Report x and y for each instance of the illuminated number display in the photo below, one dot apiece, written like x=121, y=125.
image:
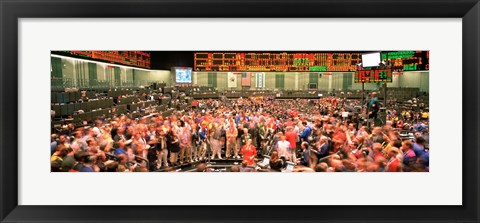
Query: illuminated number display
x=407, y=60
x=130, y=58
x=302, y=61
x=373, y=76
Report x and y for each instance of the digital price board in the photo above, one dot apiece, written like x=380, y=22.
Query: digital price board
x=408, y=60
x=130, y=58
x=301, y=61
x=276, y=61
x=373, y=76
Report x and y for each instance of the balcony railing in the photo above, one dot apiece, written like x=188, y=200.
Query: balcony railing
x=87, y=83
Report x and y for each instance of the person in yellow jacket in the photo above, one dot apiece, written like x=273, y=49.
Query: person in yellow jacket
x=424, y=115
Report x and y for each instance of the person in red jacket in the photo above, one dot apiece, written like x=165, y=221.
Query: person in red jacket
x=291, y=137
x=249, y=152
x=393, y=164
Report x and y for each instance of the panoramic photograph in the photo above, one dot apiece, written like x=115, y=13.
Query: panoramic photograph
x=239, y=111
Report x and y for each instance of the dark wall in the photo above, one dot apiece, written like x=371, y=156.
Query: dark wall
x=165, y=60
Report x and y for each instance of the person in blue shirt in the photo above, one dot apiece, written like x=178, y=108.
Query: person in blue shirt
x=425, y=159
x=420, y=127
x=88, y=164
x=419, y=146
x=120, y=149
x=422, y=153
x=203, y=134
x=53, y=144
x=237, y=118
x=307, y=131
x=305, y=155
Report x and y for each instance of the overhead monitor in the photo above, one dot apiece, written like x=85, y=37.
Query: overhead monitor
x=371, y=59
x=183, y=75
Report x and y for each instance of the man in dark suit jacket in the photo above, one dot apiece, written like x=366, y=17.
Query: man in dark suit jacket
x=323, y=147
x=373, y=106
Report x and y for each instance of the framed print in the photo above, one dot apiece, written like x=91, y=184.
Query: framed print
x=162, y=102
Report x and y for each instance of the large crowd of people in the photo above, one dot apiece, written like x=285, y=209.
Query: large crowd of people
x=329, y=134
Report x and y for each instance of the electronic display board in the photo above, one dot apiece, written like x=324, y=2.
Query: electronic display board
x=303, y=61
x=408, y=60
x=129, y=58
x=373, y=76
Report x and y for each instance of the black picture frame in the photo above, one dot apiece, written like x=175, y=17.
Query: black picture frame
x=11, y=11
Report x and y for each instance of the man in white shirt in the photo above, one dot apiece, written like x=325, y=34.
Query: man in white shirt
x=283, y=148
x=96, y=129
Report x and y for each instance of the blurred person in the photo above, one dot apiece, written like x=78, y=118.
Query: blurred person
x=55, y=166
x=93, y=147
x=60, y=152
x=88, y=164
x=161, y=149
x=305, y=160
x=216, y=147
x=234, y=168
x=283, y=147
x=173, y=145
x=322, y=147
x=79, y=158
x=419, y=146
x=393, y=165
x=409, y=157
x=381, y=164
x=185, y=145
x=203, y=135
x=306, y=132
x=334, y=162
x=249, y=152
x=349, y=165
x=69, y=160
x=77, y=143
x=123, y=165
x=99, y=165
x=139, y=145
x=111, y=166
x=277, y=160
x=239, y=135
x=245, y=137
x=355, y=149
x=96, y=129
x=196, y=143
x=262, y=136
x=321, y=167
x=119, y=136
x=62, y=139
x=424, y=159
x=377, y=135
x=232, y=134
x=351, y=129
x=378, y=151
x=120, y=148
x=246, y=168
x=89, y=135
x=291, y=137
x=201, y=167
x=373, y=106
